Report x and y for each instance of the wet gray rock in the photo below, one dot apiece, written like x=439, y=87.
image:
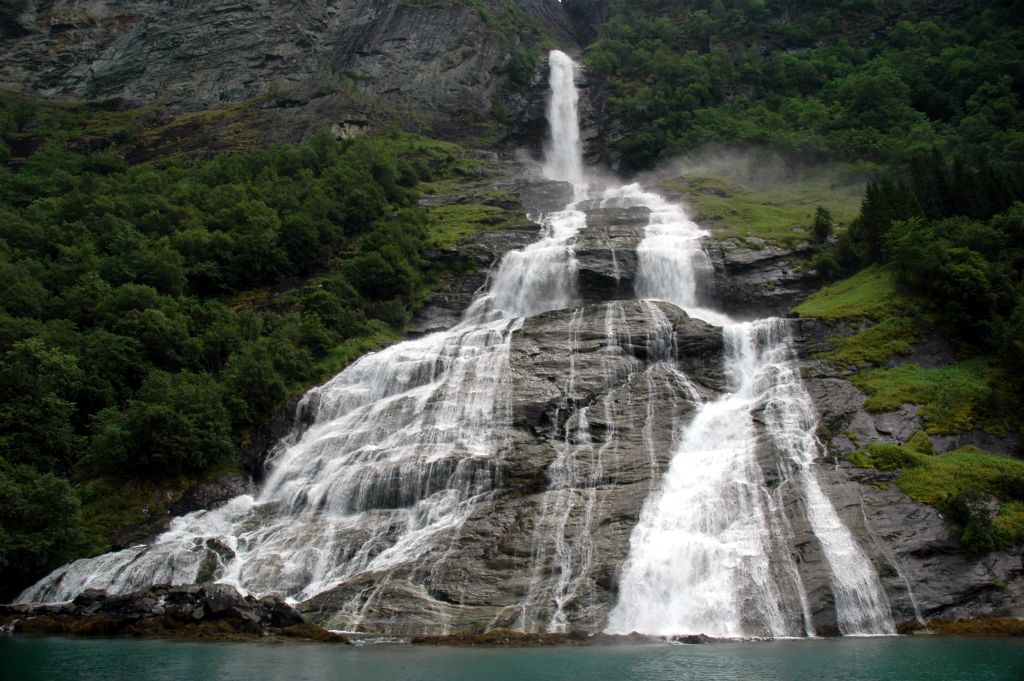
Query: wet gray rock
x=758, y=282
x=606, y=251
x=586, y=442
x=924, y=568
x=477, y=255
x=1008, y=444
x=934, y=351
x=156, y=610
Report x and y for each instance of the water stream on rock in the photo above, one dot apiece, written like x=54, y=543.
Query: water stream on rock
x=406, y=443
x=710, y=553
x=400, y=450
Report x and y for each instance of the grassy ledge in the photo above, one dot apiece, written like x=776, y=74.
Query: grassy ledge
x=758, y=210
x=982, y=492
x=870, y=294
x=952, y=398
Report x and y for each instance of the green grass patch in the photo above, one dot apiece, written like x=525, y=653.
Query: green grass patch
x=877, y=344
x=952, y=482
x=871, y=293
x=952, y=398
x=402, y=142
x=946, y=480
x=336, y=359
x=450, y=223
x=92, y=124
x=777, y=212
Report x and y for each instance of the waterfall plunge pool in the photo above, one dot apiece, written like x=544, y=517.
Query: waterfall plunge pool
x=846, y=659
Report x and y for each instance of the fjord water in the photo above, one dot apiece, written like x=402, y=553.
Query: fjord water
x=404, y=445
x=848, y=659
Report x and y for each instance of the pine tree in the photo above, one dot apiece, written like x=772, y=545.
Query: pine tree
x=822, y=226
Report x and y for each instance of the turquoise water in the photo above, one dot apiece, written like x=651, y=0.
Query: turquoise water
x=866, y=659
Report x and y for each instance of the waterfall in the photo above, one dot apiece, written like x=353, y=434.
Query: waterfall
x=711, y=553
x=564, y=152
x=406, y=444
x=401, y=450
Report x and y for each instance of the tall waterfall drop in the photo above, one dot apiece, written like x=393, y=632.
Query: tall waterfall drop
x=564, y=153
x=412, y=453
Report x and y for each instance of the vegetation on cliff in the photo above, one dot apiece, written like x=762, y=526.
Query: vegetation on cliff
x=982, y=492
x=151, y=316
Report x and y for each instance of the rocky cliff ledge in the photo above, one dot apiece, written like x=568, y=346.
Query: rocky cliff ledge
x=926, y=570
x=207, y=611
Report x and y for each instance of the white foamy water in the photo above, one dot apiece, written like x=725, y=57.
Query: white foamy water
x=564, y=157
x=711, y=553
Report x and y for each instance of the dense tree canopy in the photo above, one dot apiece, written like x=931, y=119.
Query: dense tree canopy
x=880, y=79
x=150, y=316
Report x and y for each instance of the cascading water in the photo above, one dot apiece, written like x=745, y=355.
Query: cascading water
x=564, y=159
x=711, y=551
x=407, y=443
x=401, y=448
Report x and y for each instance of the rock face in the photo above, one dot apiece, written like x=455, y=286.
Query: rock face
x=478, y=254
x=606, y=251
x=926, y=571
x=527, y=111
x=431, y=59
x=596, y=399
x=757, y=282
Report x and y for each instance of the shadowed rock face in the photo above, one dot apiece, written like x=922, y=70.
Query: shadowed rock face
x=433, y=58
x=597, y=397
x=757, y=282
x=606, y=251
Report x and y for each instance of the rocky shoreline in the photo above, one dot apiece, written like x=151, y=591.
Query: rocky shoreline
x=217, y=612
x=199, y=612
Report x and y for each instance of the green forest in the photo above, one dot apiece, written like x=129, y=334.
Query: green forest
x=885, y=80
x=152, y=316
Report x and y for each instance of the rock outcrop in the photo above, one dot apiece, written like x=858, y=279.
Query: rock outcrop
x=478, y=254
x=527, y=116
x=210, y=611
x=758, y=279
x=926, y=570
